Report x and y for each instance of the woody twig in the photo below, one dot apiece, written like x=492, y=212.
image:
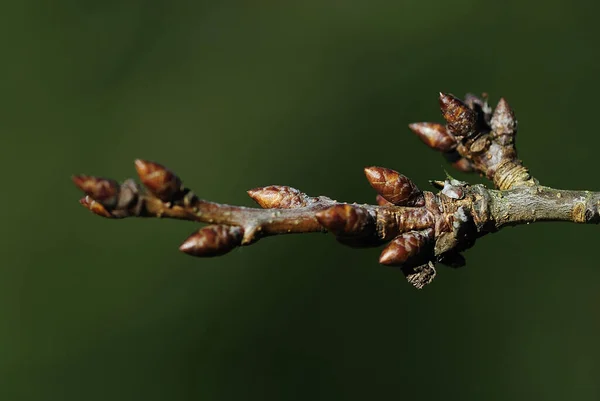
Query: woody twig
x=418, y=228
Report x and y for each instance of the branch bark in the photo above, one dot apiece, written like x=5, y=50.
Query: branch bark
x=421, y=228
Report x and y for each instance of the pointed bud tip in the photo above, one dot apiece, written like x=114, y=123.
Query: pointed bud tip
x=387, y=257
x=159, y=180
x=460, y=118
x=95, y=207
x=146, y=167
x=434, y=135
x=100, y=189
x=78, y=180
x=214, y=240
x=187, y=247
x=140, y=164
x=503, y=122
x=279, y=197
x=446, y=98
x=393, y=186
x=373, y=173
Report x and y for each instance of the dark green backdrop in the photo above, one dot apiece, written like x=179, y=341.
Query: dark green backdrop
x=238, y=94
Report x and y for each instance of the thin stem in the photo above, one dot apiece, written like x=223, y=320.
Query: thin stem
x=530, y=204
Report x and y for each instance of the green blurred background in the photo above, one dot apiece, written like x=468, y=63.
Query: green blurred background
x=238, y=94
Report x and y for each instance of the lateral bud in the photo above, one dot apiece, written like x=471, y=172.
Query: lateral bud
x=103, y=190
x=406, y=248
x=346, y=220
x=461, y=118
x=212, y=240
x=504, y=123
x=95, y=207
x=394, y=187
x=279, y=196
x=463, y=165
x=434, y=135
x=160, y=181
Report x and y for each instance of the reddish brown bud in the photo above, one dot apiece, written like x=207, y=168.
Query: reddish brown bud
x=460, y=118
x=95, y=207
x=346, y=220
x=278, y=196
x=434, y=135
x=504, y=123
x=405, y=248
x=101, y=190
x=212, y=241
x=159, y=180
x=394, y=187
x=382, y=202
x=463, y=165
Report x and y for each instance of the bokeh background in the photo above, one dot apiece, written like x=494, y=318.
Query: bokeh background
x=238, y=94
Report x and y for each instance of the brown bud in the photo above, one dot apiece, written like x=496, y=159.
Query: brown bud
x=434, y=135
x=95, y=207
x=159, y=180
x=463, y=165
x=346, y=220
x=101, y=190
x=479, y=145
x=406, y=248
x=394, y=187
x=278, y=196
x=504, y=123
x=382, y=202
x=420, y=276
x=460, y=118
x=212, y=241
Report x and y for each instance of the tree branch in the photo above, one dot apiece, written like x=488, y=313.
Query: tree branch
x=421, y=228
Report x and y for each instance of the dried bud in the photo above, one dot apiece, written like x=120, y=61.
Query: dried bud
x=420, y=276
x=394, y=187
x=504, y=123
x=453, y=191
x=346, y=220
x=406, y=248
x=382, y=202
x=212, y=240
x=463, y=165
x=101, y=190
x=278, y=196
x=460, y=118
x=159, y=180
x=95, y=207
x=434, y=135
